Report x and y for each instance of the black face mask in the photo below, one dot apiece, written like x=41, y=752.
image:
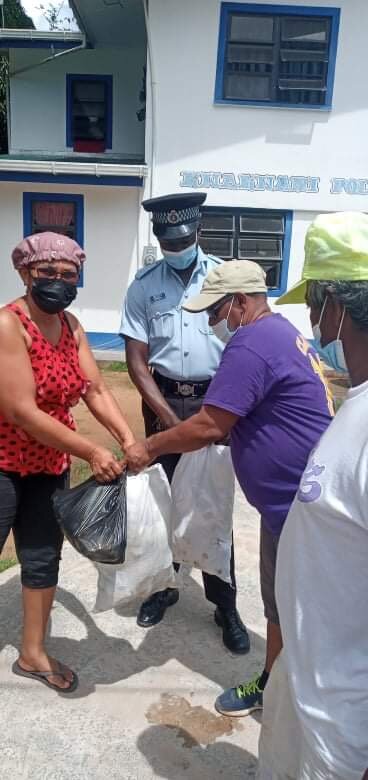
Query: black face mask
x=52, y=296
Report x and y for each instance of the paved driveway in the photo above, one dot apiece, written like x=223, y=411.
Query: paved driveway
x=144, y=708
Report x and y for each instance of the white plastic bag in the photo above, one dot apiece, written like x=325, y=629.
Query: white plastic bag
x=148, y=560
x=202, y=492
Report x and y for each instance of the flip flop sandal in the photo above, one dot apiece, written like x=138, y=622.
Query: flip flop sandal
x=43, y=677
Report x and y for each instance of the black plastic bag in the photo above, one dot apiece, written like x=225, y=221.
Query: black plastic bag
x=93, y=517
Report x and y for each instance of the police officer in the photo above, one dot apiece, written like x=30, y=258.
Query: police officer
x=171, y=359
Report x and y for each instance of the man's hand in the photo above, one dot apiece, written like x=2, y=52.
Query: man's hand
x=168, y=421
x=205, y=427
x=137, y=457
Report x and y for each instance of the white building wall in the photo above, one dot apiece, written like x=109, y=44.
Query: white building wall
x=298, y=315
x=38, y=97
x=195, y=136
x=110, y=228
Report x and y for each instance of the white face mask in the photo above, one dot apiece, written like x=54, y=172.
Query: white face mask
x=222, y=330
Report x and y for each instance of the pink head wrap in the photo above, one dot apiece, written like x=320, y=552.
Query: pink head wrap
x=47, y=246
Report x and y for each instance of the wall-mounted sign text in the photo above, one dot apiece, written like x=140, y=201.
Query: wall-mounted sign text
x=269, y=182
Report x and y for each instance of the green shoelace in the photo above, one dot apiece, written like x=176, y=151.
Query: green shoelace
x=248, y=689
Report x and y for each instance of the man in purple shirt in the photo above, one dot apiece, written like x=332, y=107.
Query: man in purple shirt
x=269, y=393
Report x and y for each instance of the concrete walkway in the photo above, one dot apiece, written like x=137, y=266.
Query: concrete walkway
x=144, y=708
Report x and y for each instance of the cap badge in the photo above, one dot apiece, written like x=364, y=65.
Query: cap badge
x=173, y=217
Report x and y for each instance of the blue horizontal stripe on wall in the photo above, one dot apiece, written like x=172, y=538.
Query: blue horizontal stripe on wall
x=106, y=181
x=105, y=341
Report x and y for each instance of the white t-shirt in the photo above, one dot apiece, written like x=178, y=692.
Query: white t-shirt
x=322, y=592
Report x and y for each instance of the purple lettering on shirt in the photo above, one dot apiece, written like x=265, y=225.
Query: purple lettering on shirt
x=310, y=489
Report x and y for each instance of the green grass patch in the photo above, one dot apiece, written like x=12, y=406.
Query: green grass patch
x=80, y=471
x=117, y=366
x=6, y=563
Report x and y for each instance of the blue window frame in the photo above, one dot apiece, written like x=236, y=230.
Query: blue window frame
x=259, y=235
x=37, y=217
x=277, y=55
x=89, y=111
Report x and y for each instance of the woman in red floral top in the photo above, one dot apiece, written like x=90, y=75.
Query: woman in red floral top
x=46, y=366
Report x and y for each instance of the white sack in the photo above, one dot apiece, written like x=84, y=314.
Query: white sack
x=148, y=561
x=202, y=494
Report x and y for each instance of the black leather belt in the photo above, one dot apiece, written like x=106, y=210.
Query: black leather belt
x=180, y=387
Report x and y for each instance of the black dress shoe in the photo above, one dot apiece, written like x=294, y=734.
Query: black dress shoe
x=153, y=610
x=234, y=634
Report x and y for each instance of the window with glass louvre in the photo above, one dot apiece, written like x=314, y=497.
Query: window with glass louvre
x=261, y=236
x=277, y=55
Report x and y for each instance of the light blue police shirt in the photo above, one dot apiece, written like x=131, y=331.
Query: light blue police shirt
x=181, y=345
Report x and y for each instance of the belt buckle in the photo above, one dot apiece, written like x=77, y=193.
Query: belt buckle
x=185, y=389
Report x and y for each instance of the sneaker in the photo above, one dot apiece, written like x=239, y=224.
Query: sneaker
x=240, y=701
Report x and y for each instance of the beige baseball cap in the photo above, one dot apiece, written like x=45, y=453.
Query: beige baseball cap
x=232, y=276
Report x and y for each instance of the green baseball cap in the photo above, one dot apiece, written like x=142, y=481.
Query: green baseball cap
x=233, y=276
x=336, y=247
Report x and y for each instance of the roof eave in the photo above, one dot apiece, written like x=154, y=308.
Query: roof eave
x=81, y=21
x=40, y=39
x=78, y=168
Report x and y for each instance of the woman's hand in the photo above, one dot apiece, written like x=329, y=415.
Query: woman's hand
x=137, y=457
x=127, y=442
x=105, y=465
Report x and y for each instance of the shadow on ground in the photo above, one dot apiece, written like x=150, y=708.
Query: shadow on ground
x=187, y=634
x=172, y=754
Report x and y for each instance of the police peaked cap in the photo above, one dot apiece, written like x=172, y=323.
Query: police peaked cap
x=175, y=216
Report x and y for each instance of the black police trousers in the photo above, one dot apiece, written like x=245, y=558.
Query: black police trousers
x=217, y=591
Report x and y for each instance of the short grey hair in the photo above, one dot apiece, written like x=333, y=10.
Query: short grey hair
x=352, y=295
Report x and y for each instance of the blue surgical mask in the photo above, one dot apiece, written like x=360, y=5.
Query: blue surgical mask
x=179, y=261
x=333, y=353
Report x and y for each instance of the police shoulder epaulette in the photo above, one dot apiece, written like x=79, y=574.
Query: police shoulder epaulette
x=217, y=260
x=147, y=269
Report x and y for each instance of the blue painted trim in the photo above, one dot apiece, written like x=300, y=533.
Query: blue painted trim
x=332, y=55
x=30, y=197
x=70, y=79
x=105, y=341
x=285, y=256
x=12, y=43
x=281, y=10
x=69, y=111
x=288, y=216
x=71, y=178
x=286, y=10
x=269, y=104
x=221, y=53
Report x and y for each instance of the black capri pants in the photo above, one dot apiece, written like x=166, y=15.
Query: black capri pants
x=26, y=509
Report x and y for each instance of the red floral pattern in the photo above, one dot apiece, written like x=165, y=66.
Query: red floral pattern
x=60, y=384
